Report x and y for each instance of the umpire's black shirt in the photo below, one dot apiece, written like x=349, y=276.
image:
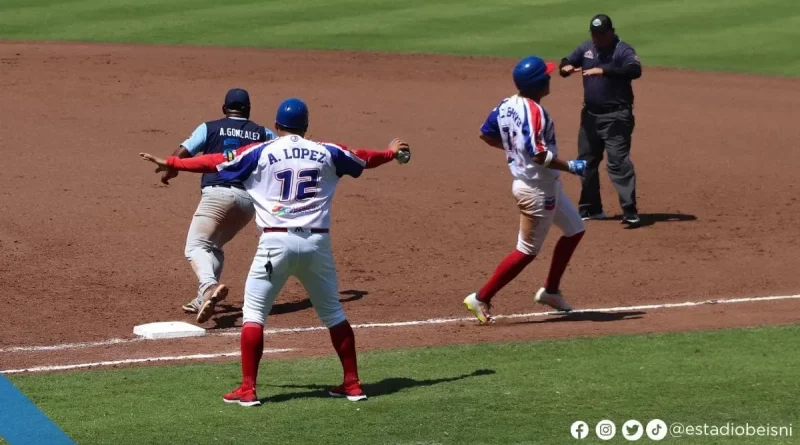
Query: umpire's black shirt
x=620, y=66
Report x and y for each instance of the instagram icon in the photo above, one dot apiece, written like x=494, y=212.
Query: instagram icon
x=605, y=429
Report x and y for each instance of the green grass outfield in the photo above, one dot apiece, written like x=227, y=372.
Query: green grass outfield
x=514, y=393
x=725, y=35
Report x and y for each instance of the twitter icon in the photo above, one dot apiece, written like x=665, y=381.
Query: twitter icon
x=632, y=430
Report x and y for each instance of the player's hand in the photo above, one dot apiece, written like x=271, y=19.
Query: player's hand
x=169, y=174
x=161, y=164
x=593, y=72
x=397, y=145
x=577, y=167
x=401, y=150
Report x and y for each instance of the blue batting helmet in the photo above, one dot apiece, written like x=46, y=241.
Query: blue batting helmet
x=532, y=74
x=292, y=113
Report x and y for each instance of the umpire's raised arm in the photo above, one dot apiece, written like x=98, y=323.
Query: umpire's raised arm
x=572, y=63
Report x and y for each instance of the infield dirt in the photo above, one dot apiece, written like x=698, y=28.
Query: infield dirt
x=92, y=243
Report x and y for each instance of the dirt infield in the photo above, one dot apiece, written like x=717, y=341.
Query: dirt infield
x=92, y=244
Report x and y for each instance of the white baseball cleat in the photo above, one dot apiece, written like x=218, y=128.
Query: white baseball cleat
x=555, y=301
x=482, y=311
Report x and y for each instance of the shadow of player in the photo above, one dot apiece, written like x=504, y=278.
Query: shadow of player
x=590, y=316
x=384, y=387
x=648, y=219
x=229, y=316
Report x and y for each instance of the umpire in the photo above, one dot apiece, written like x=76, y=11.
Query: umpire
x=608, y=65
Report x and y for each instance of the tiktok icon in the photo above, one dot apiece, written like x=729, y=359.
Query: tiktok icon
x=656, y=429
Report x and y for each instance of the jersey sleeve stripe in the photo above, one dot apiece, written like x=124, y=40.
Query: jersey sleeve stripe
x=526, y=129
x=347, y=153
x=536, y=116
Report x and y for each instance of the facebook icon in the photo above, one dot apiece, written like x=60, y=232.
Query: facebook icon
x=579, y=430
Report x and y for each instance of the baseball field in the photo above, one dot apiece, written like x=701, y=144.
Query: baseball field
x=693, y=318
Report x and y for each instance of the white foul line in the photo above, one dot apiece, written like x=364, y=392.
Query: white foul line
x=133, y=360
x=431, y=321
x=63, y=346
x=435, y=321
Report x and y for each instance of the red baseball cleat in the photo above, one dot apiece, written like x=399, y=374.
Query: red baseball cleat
x=352, y=391
x=243, y=396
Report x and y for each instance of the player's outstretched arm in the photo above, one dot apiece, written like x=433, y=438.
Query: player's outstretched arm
x=161, y=163
x=549, y=159
x=199, y=164
x=398, y=150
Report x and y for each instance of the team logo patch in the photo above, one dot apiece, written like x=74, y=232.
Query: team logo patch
x=279, y=210
x=282, y=210
x=596, y=22
x=294, y=138
x=550, y=203
x=588, y=55
x=229, y=154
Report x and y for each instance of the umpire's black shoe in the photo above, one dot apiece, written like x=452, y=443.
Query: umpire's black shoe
x=586, y=214
x=632, y=220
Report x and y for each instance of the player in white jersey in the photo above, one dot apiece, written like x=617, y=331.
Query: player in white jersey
x=521, y=127
x=292, y=181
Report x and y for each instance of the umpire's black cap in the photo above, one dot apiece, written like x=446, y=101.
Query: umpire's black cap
x=601, y=23
x=237, y=99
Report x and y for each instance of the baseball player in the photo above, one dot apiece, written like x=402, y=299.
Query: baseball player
x=292, y=182
x=522, y=127
x=225, y=208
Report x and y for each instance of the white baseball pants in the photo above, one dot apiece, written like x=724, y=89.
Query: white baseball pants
x=542, y=204
x=301, y=254
x=220, y=215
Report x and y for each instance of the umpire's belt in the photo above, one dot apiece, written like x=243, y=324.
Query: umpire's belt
x=294, y=229
x=606, y=110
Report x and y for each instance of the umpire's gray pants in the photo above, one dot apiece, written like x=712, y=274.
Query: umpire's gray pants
x=220, y=215
x=609, y=133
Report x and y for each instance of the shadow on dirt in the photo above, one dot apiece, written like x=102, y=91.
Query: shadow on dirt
x=229, y=316
x=589, y=316
x=649, y=219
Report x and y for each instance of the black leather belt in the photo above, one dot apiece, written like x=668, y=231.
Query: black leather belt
x=228, y=186
x=295, y=229
x=606, y=110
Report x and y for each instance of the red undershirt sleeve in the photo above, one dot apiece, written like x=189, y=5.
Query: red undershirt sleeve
x=202, y=164
x=374, y=158
x=198, y=164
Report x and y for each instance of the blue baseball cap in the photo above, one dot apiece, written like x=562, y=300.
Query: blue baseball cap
x=237, y=98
